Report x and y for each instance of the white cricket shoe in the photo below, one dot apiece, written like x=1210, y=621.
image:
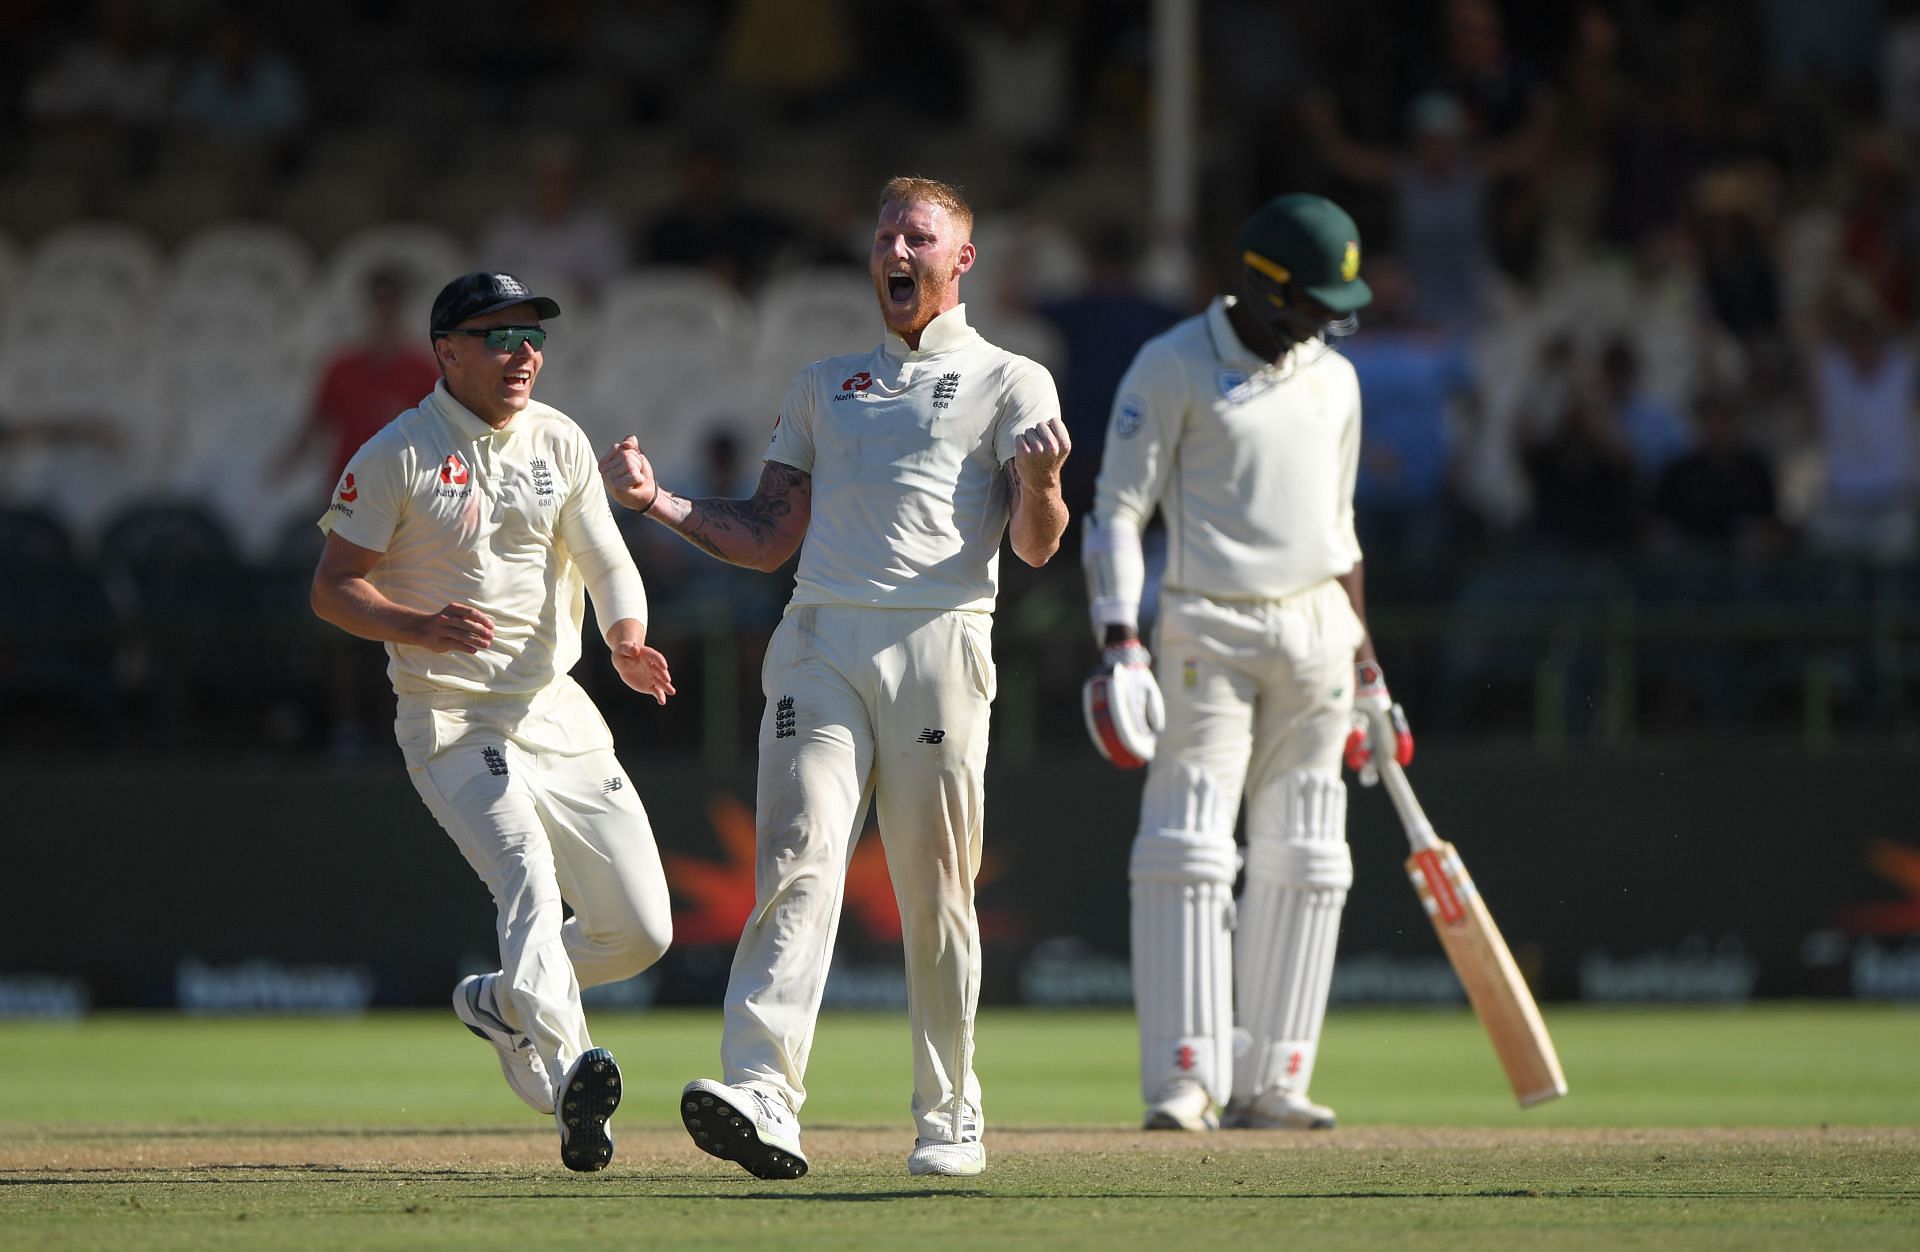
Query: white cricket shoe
x=951, y=1160
x=585, y=1101
x=478, y=1011
x=1277, y=1110
x=964, y=1157
x=745, y=1125
x=1183, y=1105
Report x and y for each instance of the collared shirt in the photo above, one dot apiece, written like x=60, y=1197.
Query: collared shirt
x=1251, y=463
x=906, y=448
x=512, y=521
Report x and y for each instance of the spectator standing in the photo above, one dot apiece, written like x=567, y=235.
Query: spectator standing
x=1863, y=383
x=366, y=382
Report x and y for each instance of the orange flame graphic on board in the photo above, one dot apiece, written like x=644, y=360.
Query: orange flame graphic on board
x=1899, y=865
x=720, y=893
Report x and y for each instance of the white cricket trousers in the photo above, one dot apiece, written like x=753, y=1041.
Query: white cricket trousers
x=887, y=705
x=541, y=827
x=1254, y=689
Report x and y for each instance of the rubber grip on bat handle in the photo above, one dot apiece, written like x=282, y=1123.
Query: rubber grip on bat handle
x=1412, y=816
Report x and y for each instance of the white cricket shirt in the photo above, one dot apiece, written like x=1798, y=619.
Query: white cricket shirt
x=513, y=522
x=906, y=448
x=1252, y=463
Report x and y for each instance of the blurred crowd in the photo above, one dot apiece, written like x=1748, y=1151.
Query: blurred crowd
x=1643, y=348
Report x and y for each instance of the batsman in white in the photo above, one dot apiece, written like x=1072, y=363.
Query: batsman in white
x=1242, y=426
x=900, y=468
x=462, y=536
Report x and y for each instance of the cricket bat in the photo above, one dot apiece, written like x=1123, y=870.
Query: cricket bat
x=1479, y=955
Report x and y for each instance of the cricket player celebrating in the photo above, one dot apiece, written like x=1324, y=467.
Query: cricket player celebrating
x=462, y=536
x=1243, y=427
x=900, y=468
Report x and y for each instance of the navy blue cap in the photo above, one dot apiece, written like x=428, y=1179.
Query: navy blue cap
x=471, y=295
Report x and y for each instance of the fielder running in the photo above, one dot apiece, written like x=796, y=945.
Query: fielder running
x=901, y=468
x=1242, y=426
x=462, y=536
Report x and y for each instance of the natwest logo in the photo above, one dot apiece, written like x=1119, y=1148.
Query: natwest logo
x=453, y=470
x=348, y=491
x=859, y=382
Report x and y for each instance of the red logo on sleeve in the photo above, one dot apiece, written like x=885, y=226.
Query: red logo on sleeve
x=453, y=470
x=348, y=491
x=859, y=382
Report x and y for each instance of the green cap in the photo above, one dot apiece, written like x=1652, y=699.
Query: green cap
x=1309, y=241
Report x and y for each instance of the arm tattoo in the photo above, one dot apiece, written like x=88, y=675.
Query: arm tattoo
x=738, y=531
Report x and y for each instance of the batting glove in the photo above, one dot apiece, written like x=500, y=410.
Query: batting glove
x=1122, y=705
x=1380, y=729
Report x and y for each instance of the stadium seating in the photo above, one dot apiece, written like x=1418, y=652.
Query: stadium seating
x=188, y=607
x=337, y=306
x=670, y=346
x=225, y=387
x=246, y=256
x=109, y=260
x=801, y=317
x=58, y=625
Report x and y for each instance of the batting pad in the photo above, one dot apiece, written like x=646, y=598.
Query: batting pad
x=1182, y=945
x=1298, y=872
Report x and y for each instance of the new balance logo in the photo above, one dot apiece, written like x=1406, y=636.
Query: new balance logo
x=612, y=785
x=783, y=718
x=496, y=761
x=930, y=735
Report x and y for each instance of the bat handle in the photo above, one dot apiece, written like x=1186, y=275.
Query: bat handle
x=1412, y=816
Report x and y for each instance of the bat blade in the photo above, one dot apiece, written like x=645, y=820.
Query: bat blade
x=1486, y=969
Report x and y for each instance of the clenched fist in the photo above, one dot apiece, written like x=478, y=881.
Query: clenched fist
x=629, y=476
x=1039, y=452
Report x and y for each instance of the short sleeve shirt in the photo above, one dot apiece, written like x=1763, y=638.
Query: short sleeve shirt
x=467, y=513
x=906, y=448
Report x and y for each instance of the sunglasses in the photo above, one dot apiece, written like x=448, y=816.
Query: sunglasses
x=507, y=338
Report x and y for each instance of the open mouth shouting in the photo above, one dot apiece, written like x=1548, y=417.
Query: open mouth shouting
x=901, y=289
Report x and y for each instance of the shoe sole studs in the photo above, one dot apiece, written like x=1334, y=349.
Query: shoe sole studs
x=719, y=1129
x=590, y=1101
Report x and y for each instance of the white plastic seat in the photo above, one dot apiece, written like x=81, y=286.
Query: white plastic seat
x=809, y=314
x=75, y=357
x=256, y=256
x=105, y=259
x=226, y=391
x=429, y=256
x=667, y=352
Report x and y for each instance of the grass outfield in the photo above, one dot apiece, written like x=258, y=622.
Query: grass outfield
x=1775, y=1127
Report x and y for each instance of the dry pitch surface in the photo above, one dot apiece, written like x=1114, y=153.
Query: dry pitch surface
x=652, y=1151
